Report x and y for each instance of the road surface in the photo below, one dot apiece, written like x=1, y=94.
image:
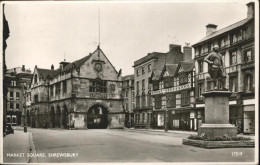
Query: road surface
x=110, y=145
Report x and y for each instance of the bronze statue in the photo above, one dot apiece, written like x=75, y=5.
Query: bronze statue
x=215, y=66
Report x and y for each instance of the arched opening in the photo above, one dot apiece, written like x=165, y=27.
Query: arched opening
x=97, y=117
x=52, y=115
x=58, y=117
x=65, y=118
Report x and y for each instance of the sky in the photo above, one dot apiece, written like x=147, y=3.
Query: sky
x=44, y=33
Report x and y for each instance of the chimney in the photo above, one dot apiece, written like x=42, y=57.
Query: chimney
x=23, y=68
x=187, y=52
x=211, y=28
x=174, y=47
x=52, y=67
x=250, y=10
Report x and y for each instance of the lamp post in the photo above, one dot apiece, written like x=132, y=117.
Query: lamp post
x=166, y=117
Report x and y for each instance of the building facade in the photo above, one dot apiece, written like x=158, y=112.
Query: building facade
x=236, y=43
x=128, y=93
x=83, y=94
x=173, y=97
x=19, y=79
x=143, y=69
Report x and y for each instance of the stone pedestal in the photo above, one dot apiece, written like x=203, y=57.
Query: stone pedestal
x=217, y=115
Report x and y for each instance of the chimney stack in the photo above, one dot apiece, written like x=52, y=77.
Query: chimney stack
x=250, y=10
x=187, y=52
x=23, y=68
x=174, y=47
x=211, y=28
x=52, y=67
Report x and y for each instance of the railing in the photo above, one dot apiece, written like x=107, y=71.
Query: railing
x=232, y=69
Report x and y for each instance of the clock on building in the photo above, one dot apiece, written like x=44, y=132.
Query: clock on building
x=98, y=67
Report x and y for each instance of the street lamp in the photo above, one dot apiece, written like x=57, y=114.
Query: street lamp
x=166, y=117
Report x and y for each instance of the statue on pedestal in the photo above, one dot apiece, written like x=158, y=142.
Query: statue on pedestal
x=216, y=69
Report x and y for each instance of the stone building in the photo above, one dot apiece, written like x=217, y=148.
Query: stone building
x=143, y=70
x=236, y=43
x=19, y=79
x=128, y=94
x=83, y=94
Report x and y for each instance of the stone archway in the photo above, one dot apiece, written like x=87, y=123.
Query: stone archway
x=52, y=115
x=58, y=117
x=65, y=118
x=97, y=117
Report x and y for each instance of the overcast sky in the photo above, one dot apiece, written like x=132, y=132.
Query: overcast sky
x=41, y=33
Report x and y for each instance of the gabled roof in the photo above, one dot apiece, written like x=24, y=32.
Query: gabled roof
x=171, y=69
x=76, y=63
x=186, y=66
x=224, y=30
x=128, y=77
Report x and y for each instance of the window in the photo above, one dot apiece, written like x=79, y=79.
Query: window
x=11, y=106
x=158, y=102
x=248, y=56
x=233, y=59
x=200, y=89
x=137, y=87
x=51, y=90
x=183, y=78
x=176, y=123
x=171, y=100
x=234, y=39
x=164, y=100
x=17, y=95
x=168, y=82
x=143, y=100
x=126, y=106
x=100, y=86
x=143, y=71
x=210, y=85
x=11, y=95
x=64, y=86
x=160, y=118
x=137, y=72
x=200, y=66
x=126, y=93
x=222, y=44
x=149, y=99
x=17, y=106
x=14, y=119
x=13, y=83
x=233, y=84
x=161, y=85
x=155, y=85
x=138, y=101
x=248, y=83
x=185, y=98
x=149, y=68
x=36, y=99
x=57, y=89
x=143, y=84
x=35, y=78
x=112, y=88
